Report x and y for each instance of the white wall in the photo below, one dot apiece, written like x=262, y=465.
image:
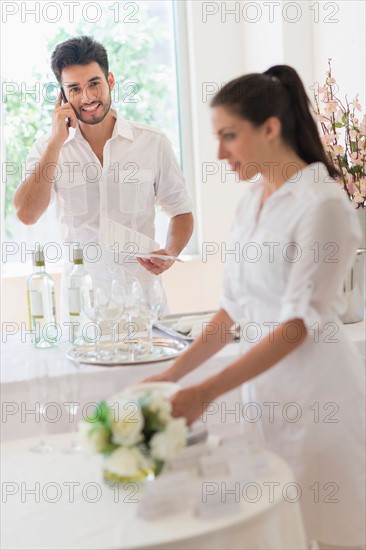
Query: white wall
x=215, y=57
x=345, y=43
x=252, y=39
x=222, y=48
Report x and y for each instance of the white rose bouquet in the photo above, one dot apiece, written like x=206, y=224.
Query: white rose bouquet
x=136, y=435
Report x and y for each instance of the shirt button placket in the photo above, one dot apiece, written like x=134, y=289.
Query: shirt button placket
x=103, y=191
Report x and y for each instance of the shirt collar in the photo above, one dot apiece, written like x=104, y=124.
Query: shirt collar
x=312, y=171
x=122, y=128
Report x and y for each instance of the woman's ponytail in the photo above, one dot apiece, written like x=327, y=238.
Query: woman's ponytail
x=278, y=92
x=306, y=136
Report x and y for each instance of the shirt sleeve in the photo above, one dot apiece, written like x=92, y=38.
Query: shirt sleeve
x=327, y=238
x=34, y=155
x=170, y=188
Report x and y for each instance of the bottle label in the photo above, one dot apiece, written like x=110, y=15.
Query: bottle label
x=74, y=302
x=36, y=304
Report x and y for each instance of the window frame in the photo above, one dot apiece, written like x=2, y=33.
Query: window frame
x=187, y=157
x=185, y=105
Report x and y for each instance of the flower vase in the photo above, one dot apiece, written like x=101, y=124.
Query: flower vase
x=361, y=213
x=354, y=289
x=140, y=477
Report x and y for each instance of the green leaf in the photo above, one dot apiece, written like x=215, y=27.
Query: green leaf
x=109, y=448
x=159, y=465
x=101, y=415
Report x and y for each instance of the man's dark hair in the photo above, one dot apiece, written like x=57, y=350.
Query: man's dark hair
x=78, y=51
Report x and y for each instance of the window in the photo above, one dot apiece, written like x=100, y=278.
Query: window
x=141, y=41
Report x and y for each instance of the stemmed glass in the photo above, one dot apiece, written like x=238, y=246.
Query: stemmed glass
x=104, y=303
x=39, y=391
x=133, y=292
x=150, y=304
x=91, y=305
x=69, y=390
x=112, y=303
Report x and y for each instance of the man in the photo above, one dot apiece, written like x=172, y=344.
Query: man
x=105, y=173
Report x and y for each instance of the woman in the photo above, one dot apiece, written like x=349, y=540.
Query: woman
x=298, y=234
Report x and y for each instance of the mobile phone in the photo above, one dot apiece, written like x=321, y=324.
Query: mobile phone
x=65, y=101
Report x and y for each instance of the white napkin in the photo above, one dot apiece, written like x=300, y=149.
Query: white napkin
x=192, y=325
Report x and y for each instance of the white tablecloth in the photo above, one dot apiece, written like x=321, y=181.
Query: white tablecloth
x=102, y=525
x=268, y=522
x=18, y=392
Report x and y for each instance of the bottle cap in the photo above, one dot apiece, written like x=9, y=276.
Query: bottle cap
x=78, y=255
x=38, y=256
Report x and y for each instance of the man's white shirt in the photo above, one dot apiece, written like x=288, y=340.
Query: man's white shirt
x=139, y=171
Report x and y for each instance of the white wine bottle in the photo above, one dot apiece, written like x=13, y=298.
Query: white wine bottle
x=78, y=278
x=41, y=304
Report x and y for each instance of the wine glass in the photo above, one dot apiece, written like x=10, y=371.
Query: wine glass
x=150, y=304
x=90, y=301
x=133, y=293
x=69, y=391
x=94, y=304
x=39, y=392
x=112, y=302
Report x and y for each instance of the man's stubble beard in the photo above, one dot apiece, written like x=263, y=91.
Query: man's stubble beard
x=106, y=110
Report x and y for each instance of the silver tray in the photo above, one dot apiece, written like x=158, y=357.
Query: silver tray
x=101, y=354
x=165, y=323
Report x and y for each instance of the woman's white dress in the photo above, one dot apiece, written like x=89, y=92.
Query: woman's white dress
x=290, y=262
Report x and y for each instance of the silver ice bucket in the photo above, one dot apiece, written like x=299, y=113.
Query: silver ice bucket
x=354, y=289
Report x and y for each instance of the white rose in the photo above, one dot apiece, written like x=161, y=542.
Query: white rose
x=127, y=462
x=95, y=441
x=127, y=422
x=166, y=444
x=161, y=406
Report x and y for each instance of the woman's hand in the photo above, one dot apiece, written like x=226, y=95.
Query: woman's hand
x=190, y=402
x=165, y=376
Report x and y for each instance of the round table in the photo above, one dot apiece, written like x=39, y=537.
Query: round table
x=60, y=501
x=99, y=525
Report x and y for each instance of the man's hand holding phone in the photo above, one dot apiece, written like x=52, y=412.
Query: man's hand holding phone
x=60, y=129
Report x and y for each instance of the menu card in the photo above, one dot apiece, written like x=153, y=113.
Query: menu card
x=171, y=493
x=189, y=458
